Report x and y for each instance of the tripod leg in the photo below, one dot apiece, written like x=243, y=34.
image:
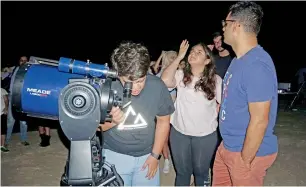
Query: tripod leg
x=64, y=179
x=293, y=101
x=296, y=96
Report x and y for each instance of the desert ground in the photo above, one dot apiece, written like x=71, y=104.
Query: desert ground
x=36, y=166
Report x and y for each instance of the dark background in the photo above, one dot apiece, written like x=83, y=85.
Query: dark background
x=91, y=30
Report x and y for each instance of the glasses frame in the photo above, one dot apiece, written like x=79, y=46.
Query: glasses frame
x=224, y=22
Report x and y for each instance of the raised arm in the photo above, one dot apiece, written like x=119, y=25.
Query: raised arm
x=157, y=63
x=168, y=76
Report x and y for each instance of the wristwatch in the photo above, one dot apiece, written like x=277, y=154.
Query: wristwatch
x=155, y=155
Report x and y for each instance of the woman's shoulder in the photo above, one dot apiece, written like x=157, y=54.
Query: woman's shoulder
x=218, y=79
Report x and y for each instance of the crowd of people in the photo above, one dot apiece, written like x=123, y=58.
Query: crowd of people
x=199, y=107
x=190, y=93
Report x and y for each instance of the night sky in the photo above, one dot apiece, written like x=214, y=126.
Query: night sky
x=91, y=30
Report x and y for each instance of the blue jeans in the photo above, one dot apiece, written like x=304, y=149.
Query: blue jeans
x=10, y=126
x=129, y=168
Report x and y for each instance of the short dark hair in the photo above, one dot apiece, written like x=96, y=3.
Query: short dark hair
x=216, y=34
x=131, y=60
x=249, y=14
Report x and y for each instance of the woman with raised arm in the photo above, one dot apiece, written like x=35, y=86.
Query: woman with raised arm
x=193, y=136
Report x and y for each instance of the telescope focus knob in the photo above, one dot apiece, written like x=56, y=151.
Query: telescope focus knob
x=79, y=101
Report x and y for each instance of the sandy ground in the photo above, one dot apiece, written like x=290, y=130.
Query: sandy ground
x=38, y=166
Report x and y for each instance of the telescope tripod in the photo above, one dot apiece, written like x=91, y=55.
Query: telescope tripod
x=104, y=173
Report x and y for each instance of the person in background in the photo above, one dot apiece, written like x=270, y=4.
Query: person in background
x=44, y=132
x=10, y=119
x=223, y=57
x=301, y=74
x=182, y=65
x=165, y=59
x=151, y=68
x=4, y=111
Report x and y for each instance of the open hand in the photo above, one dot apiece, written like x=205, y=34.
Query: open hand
x=183, y=49
x=152, y=164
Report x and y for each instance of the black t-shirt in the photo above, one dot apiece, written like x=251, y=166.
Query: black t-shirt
x=135, y=136
x=222, y=64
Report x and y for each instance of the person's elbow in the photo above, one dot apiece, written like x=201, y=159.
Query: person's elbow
x=170, y=83
x=163, y=121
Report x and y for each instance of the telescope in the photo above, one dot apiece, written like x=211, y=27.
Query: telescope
x=79, y=95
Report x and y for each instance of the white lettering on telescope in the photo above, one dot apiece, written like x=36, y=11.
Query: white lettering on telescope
x=38, y=92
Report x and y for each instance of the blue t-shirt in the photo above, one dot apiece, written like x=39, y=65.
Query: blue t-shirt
x=251, y=78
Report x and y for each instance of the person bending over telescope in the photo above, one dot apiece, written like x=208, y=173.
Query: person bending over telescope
x=133, y=141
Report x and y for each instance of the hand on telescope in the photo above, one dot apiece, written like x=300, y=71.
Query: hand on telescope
x=117, y=115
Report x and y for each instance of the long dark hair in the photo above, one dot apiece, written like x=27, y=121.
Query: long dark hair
x=207, y=81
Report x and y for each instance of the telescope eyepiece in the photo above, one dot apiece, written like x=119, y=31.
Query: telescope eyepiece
x=127, y=94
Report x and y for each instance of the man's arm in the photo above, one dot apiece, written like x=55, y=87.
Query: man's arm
x=161, y=133
x=259, y=118
x=260, y=84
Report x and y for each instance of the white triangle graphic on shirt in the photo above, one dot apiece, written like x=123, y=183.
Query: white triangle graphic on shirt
x=139, y=122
